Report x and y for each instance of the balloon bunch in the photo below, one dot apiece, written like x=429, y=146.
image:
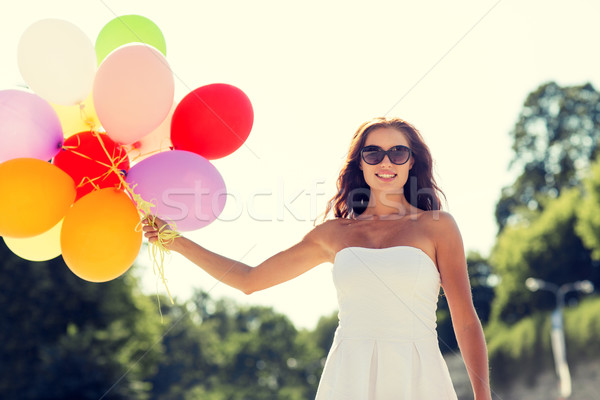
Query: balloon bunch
x=99, y=142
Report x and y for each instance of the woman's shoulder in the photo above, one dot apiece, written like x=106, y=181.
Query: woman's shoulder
x=330, y=225
x=324, y=235
x=319, y=228
x=439, y=222
x=327, y=230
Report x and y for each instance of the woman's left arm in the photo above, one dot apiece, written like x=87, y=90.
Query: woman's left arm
x=452, y=265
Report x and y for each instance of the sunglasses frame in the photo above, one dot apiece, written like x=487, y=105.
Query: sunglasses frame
x=385, y=153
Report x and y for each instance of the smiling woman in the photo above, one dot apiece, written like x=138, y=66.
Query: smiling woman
x=392, y=248
x=404, y=145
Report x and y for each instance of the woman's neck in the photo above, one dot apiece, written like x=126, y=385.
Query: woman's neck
x=387, y=206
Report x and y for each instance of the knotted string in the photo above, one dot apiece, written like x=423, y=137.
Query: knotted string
x=89, y=121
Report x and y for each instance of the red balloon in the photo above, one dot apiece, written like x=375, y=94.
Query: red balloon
x=85, y=159
x=212, y=121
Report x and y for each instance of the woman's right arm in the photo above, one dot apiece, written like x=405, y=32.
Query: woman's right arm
x=312, y=250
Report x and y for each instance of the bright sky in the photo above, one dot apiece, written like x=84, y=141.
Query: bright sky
x=314, y=71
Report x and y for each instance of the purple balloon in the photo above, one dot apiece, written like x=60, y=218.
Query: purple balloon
x=184, y=187
x=29, y=127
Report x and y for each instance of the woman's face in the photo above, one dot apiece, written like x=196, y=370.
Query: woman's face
x=386, y=176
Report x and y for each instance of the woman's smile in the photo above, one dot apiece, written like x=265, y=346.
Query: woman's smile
x=386, y=176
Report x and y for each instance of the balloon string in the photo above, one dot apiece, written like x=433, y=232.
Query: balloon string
x=88, y=120
x=157, y=249
x=145, y=154
x=165, y=235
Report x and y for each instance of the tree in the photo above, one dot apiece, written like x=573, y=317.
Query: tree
x=554, y=141
x=324, y=332
x=547, y=247
x=66, y=338
x=193, y=355
x=588, y=213
x=216, y=349
x=263, y=358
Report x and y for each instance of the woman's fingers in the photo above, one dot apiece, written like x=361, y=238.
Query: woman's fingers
x=154, y=221
x=153, y=226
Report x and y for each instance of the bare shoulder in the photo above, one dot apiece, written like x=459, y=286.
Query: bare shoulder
x=322, y=235
x=439, y=220
x=440, y=225
x=324, y=228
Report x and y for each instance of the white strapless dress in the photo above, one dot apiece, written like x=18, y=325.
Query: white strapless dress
x=385, y=346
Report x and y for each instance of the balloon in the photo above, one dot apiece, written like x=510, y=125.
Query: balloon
x=29, y=127
x=127, y=29
x=57, y=61
x=87, y=156
x=98, y=239
x=184, y=187
x=35, y=196
x=37, y=248
x=77, y=118
x=212, y=121
x=157, y=141
x=133, y=92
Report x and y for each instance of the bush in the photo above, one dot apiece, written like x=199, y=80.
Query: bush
x=522, y=351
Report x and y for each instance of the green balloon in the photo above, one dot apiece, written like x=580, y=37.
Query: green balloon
x=128, y=29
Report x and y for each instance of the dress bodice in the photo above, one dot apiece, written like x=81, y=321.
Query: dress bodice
x=386, y=293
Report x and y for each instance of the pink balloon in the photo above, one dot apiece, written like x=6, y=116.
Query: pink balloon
x=155, y=142
x=29, y=127
x=133, y=92
x=184, y=187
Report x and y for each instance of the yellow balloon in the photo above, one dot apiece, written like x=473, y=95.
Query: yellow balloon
x=37, y=248
x=34, y=196
x=77, y=118
x=98, y=239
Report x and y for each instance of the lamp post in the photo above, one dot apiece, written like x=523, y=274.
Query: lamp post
x=557, y=333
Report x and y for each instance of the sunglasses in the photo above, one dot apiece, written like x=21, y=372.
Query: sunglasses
x=373, y=155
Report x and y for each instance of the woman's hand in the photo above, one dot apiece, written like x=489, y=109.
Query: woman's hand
x=152, y=226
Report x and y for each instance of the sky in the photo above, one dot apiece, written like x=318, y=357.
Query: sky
x=314, y=71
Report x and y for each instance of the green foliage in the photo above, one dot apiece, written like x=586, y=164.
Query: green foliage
x=518, y=351
x=523, y=350
x=324, y=331
x=549, y=228
x=481, y=278
x=66, y=338
x=191, y=358
x=588, y=213
x=554, y=139
x=216, y=349
x=547, y=248
x=582, y=330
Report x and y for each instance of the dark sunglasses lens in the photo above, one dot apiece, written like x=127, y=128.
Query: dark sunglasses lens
x=399, y=155
x=372, y=156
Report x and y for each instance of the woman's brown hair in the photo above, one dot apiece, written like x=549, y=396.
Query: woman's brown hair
x=353, y=192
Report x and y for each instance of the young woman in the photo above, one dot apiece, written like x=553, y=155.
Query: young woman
x=391, y=247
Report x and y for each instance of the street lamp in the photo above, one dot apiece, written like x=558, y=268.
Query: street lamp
x=557, y=333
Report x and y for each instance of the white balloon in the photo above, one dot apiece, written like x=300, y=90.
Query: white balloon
x=57, y=60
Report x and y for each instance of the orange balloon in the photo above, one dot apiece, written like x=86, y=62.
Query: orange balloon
x=34, y=196
x=98, y=239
